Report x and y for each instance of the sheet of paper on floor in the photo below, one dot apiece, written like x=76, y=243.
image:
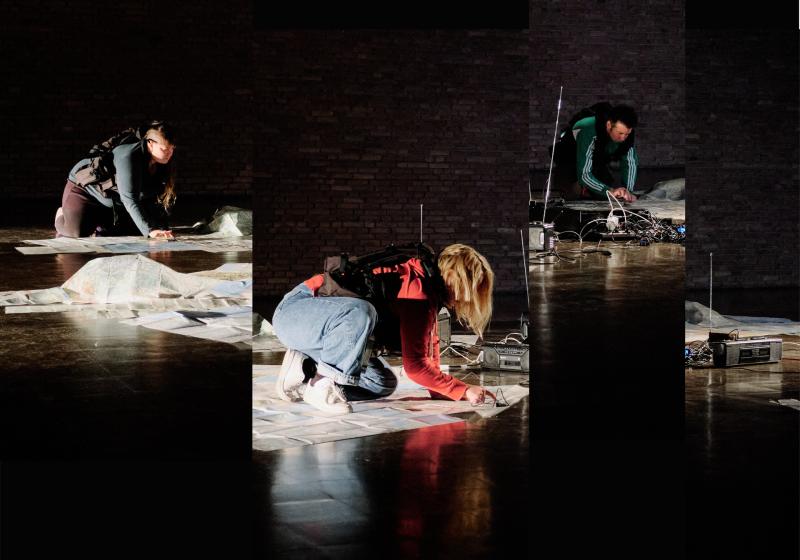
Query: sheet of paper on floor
x=213, y=243
x=231, y=324
x=790, y=403
x=146, y=247
x=53, y=251
x=409, y=407
x=144, y=292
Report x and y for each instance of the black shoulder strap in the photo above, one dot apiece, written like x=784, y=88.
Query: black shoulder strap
x=355, y=273
x=598, y=110
x=127, y=136
x=393, y=254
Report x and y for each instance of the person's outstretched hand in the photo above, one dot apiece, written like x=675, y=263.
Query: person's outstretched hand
x=161, y=234
x=476, y=394
x=624, y=194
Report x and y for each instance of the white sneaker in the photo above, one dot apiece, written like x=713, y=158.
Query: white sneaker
x=290, y=376
x=59, y=223
x=326, y=396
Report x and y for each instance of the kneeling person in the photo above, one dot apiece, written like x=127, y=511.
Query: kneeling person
x=327, y=335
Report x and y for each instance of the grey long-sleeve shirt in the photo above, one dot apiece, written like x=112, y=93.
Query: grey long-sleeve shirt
x=133, y=183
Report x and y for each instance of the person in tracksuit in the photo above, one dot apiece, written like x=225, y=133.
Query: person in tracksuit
x=600, y=140
x=593, y=139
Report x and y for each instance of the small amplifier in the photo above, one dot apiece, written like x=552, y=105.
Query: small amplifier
x=729, y=352
x=510, y=357
x=541, y=236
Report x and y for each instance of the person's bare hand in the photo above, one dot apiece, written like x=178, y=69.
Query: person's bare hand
x=624, y=194
x=161, y=234
x=476, y=394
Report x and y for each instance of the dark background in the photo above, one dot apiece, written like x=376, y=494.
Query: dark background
x=608, y=403
x=246, y=98
x=742, y=151
x=742, y=147
x=621, y=52
x=268, y=118
x=356, y=129
x=73, y=74
x=76, y=73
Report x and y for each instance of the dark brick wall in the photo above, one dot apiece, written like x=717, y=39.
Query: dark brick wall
x=356, y=129
x=623, y=52
x=74, y=73
x=743, y=202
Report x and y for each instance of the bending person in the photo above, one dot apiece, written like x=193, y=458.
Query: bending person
x=327, y=336
x=125, y=191
x=601, y=139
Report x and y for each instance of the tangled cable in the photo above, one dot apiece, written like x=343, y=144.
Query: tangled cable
x=697, y=353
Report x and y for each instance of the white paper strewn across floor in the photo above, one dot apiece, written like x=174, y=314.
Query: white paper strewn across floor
x=699, y=320
x=278, y=424
x=224, y=324
x=212, y=243
x=214, y=304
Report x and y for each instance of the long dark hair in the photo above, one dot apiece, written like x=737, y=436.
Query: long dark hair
x=165, y=130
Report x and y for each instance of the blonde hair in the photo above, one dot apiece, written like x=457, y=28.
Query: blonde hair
x=163, y=131
x=469, y=280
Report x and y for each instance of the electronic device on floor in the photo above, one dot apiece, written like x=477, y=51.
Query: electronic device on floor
x=616, y=226
x=542, y=232
x=445, y=328
x=506, y=356
x=512, y=354
x=731, y=350
x=542, y=236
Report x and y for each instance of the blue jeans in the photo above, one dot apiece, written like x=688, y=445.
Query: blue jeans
x=333, y=331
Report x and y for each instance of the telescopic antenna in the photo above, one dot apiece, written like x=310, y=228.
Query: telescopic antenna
x=420, y=223
x=552, y=153
x=711, y=289
x=525, y=264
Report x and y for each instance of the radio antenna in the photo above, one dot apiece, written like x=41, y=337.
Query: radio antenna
x=525, y=264
x=552, y=153
x=711, y=289
x=420, y=223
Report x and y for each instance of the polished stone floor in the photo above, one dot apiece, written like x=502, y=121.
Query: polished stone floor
x=607, y=343
x=74, y=387
x=607, y=399
x=743, y=454
x=458, y=490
